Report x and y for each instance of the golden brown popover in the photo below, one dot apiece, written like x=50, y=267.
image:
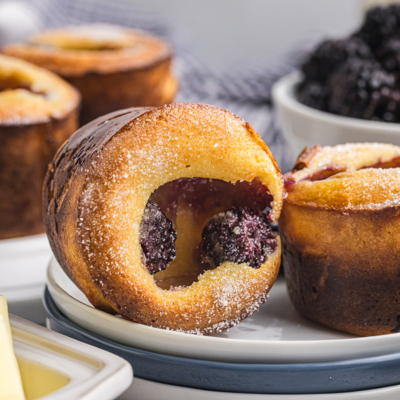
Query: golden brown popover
x=113, y=67
x=38, y=112
x=340, y=230
x=125, y=186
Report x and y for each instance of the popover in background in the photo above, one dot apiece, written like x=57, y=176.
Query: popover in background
x=113, y=67
x=38, y=112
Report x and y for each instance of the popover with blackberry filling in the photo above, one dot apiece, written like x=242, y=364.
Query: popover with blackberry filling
x=162, y=216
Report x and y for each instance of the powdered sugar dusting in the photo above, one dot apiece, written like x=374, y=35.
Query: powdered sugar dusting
x=119, y=172
x=29, y=94
x=353, y=177
x=97, y=31
x=226, y=325
x=366, y=189
x=349, y=157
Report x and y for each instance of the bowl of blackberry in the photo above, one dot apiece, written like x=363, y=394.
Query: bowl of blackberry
x=347, y=89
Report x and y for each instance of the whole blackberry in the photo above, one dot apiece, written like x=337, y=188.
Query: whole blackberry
x=362, y=89
x=314, y=94
x=238, y=235
x=380, y=25
x=157, y=238
x=389, y=56
x=330, y=54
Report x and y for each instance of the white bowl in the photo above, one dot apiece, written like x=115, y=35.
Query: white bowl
x=88, y=372
x=305, y=126
x=276, y=334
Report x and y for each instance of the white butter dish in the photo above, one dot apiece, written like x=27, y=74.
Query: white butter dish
x=55, y=367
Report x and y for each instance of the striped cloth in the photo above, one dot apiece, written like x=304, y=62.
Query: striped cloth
x=245, y=90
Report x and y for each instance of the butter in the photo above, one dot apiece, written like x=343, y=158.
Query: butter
x=10, y=378
x=39, y=381
x=4, y=314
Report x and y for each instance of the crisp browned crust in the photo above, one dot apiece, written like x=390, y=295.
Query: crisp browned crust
x=305, y=157
x=340, y=238
x=38, y=112
x=96, y=191
x=112, y=67
x=104, y=93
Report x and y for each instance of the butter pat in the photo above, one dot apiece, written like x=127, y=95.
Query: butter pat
x=10, y=378
x=4, y=314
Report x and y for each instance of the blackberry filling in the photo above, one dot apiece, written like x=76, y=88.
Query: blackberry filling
x=238, y=235
x=181, y=210
x=157, y=238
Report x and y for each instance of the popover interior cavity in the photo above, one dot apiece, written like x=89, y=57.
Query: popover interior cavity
x=96, y=37
x=85, y=46
x=15, y=82
x=190, y=203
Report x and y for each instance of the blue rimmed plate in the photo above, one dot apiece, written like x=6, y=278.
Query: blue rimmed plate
x=331, y=377
x=276, y=334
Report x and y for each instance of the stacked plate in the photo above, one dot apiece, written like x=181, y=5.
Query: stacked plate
x=23, y=265
x=273, y=353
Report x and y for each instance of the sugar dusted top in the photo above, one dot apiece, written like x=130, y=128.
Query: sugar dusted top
x=29, y=94
x=101, y=48
x=363, y=176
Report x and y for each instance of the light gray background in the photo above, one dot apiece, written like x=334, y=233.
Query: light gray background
x=227, y=32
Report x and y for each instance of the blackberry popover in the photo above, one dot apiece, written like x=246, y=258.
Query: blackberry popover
x=162, y=215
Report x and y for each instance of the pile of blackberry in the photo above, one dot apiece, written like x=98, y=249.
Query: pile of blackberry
x=358, y=76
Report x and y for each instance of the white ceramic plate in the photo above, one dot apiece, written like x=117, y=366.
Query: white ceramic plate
x=275, y=334
x=92, y=374
x=147, y=390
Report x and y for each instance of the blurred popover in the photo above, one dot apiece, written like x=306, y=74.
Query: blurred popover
x=340, y=230
x=38, y=112
x=112, y=67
